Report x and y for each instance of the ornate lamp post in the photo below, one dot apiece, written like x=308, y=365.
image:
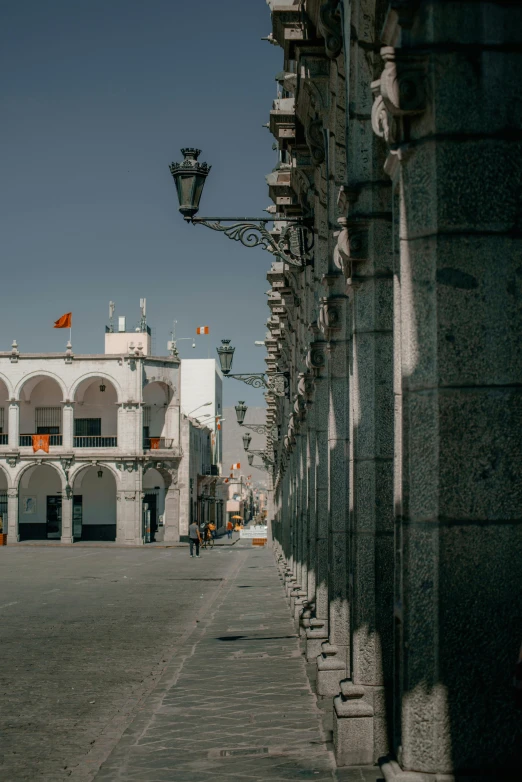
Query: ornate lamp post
x=246, y=440
x=293, y=245
x=267, y=461
x=241, y=409
x=277, y=382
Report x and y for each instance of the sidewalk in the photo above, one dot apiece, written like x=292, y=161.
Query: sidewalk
x=235, y=703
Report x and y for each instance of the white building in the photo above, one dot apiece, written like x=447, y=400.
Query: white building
x=110, y=425
x=201, y=383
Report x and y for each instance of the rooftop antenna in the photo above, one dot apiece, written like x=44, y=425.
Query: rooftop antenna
x=172, y=342
x=111, y=316
x=143, y=320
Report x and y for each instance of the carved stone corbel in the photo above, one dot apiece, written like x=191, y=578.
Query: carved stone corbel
x=330, y=316
x=315, y=140
x=400, y=92
x=316, y=357
x=351, y=246
x=330, y=27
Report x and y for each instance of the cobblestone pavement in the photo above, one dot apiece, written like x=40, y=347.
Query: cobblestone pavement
x=236, y=704
x=149, y=666
x=85, y=634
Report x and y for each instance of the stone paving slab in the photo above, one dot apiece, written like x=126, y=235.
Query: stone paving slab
x=236, y=703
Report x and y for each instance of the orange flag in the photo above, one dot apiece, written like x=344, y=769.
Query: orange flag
x=41, y=442
x=65, y=322
x=154, y=443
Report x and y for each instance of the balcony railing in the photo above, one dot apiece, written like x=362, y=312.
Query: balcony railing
x=27, y=439
x=4, y=439
x=95, y=441
x=158, y=443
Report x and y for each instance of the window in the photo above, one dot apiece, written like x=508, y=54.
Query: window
x=87, y=427
x=48, y=420
x=146, y=415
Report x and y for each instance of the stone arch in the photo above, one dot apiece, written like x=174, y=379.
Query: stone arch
x=95, y=410
x=42, y=373
x=9, y=386
x=4, y=474
x=94, y=376
x=94, y=502
x=41, y=488
x=158, y=399
x=82, y=468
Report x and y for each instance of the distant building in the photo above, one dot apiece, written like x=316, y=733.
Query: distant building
x=88, y=442
x=201, y=383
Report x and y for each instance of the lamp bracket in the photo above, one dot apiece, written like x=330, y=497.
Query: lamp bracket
x=277, y=382
x=292, y=246
x=261, y=429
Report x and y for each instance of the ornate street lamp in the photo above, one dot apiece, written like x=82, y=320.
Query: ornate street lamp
x=277, y=382
x=267, y=461
x=293, y=245
x=250, y=458
x=246, y=440
x=225, y=354
x=241, y=409
x=102, y=387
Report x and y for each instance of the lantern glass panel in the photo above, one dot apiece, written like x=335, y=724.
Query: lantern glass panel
x=241, y=409
x=226, y=354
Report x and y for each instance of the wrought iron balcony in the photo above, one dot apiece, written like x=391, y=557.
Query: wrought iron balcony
x=158, y=443
x=95, y=441
x=27, y=439
x=4, y=439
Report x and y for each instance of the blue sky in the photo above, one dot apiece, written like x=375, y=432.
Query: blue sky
x=97, y=98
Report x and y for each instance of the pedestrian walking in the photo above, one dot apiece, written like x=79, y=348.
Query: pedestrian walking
x=230, y=527
x=194, y=538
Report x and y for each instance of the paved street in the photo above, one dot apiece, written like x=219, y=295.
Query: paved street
x=146, y=665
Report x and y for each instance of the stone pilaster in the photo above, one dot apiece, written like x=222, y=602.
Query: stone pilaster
x=67, y=512
x=68, y=427
x=14, y=424
x=12, y=515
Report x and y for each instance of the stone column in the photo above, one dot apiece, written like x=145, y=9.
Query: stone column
x=333, y=662
x=129, y=518
x=318, y=629
x=12, y=515
x=68, y=427
x=458, y=527
x=172, y=510
x=14, y=424
x=67, y=512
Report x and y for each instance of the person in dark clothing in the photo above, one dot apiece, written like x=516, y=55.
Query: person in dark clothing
x=194, y=538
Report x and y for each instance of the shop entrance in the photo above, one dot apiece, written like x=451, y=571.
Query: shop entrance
x=151, y=499
x=53, y=517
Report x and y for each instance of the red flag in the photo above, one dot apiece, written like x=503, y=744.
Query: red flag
x=41, y=442
x=236, y=466
x=203, y=330
x=65, y=322
x=155, y=443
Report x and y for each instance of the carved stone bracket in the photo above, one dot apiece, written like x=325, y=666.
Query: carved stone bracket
x=399, y=93
x=12, y=460
x=330, y=28
x=315, y=140
x=127, y=465
x=330, y=316
x=316, y=357
x=351, y=246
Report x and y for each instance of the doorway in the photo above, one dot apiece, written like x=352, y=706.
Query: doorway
x=151, y=499
x=53, y=517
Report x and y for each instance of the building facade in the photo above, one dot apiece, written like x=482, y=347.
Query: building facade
x=398, y=472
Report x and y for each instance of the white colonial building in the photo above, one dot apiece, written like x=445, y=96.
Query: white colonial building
x=111, y=427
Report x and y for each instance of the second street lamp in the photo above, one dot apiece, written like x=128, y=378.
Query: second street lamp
x=241, y=409
x=277, y=382
x=246, y=440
